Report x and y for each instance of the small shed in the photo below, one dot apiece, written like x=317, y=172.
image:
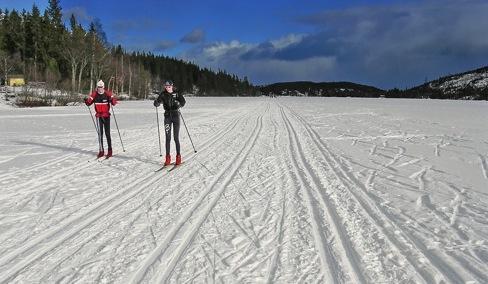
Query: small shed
x=16, y=80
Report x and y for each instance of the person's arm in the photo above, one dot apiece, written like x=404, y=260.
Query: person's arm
x=157, y=101
x=90, y=99
x=111, y=98
x=181, y=100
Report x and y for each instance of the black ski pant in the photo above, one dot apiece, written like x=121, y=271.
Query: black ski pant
x=172, y=119
x=104, y=123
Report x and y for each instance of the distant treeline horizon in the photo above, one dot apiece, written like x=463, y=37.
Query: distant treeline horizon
x=432, y=90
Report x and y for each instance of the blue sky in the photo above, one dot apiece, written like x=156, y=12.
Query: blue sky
x=382, y=43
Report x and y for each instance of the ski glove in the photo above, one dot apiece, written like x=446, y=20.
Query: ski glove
x=177, y=103
x=86, y=102
x=113, y=101
x=156, y=103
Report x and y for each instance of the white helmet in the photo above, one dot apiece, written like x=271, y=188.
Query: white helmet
x=100, y=87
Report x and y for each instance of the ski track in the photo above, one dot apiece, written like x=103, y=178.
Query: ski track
x=330, y=263
x=246, y=229
x=69, y=171
x=203, y=149
x=442, y=266
x=351, y=254
x=291, y=256
x=32, y=184
x=484, y=166
x=54, y=185
x=274, y=261
x=190, y=234
x=74, y=221
x=55, y=162
x=193, y=229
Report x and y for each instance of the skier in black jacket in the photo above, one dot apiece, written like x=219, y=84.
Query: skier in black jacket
x=172, y=101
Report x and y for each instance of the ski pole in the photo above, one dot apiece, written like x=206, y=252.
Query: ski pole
x=187, y=131
x=96, y=129
x=159, y=134
x=120, y=137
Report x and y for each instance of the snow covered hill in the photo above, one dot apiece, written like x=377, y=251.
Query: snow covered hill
x=468, y=85
x=476, y=80
x=286, y=190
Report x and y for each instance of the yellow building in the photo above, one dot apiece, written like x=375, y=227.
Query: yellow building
x=16, y=81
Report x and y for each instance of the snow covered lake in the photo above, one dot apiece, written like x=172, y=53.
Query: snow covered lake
x=287, y=190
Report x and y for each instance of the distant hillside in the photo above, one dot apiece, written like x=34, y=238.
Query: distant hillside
x=324, y=89
x=472, y=85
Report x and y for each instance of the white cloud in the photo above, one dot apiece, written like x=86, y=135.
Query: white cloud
x=221, y=49
x=287, y=40
x=228, y=56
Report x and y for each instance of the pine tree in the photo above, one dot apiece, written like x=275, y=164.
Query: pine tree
x=55, y=14
x=33, y=39
x=13, y=35
x=55, y=37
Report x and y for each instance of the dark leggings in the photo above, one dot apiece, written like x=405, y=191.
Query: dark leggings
x=104, y=122
x=172, y=118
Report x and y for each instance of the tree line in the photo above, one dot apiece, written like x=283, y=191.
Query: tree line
x=41, y=48
x=324, y=89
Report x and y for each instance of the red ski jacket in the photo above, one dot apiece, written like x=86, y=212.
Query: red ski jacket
x=102, y=107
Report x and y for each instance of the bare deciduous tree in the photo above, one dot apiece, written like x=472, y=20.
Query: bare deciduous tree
x=8, y=63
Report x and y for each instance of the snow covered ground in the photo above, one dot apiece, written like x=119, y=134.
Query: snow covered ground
x=288, y=190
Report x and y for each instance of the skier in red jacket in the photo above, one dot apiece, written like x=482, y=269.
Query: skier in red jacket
x=102, y=98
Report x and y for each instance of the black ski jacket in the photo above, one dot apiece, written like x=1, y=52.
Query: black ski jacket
x=171, y=102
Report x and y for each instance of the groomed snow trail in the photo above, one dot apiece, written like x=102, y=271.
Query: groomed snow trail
x=288, y=190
